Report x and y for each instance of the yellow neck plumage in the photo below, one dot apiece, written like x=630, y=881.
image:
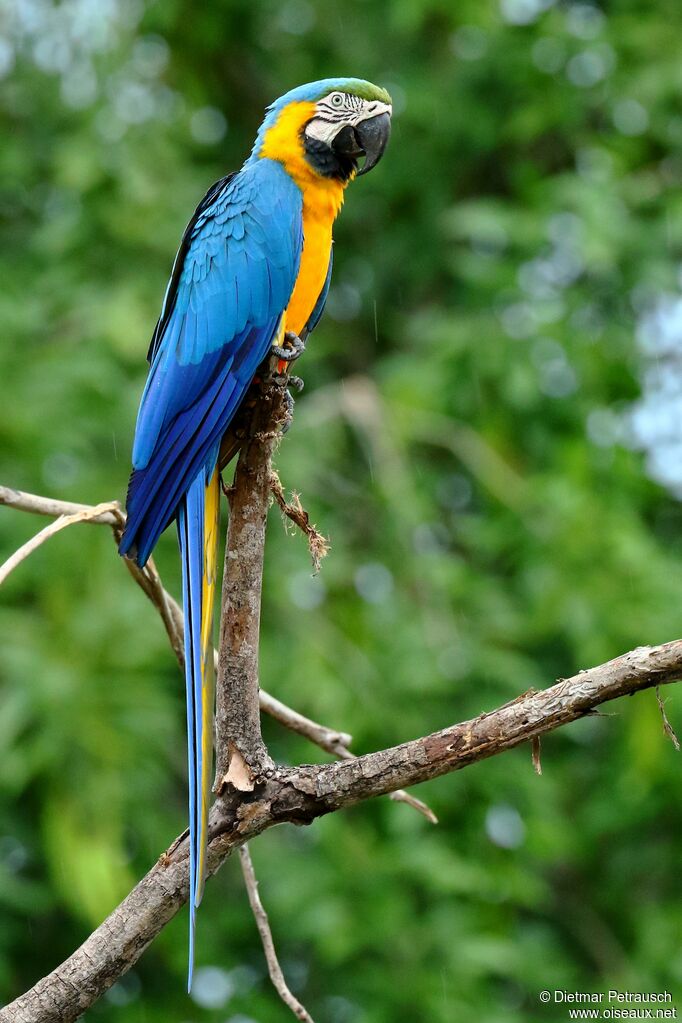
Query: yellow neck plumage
x=322, y=200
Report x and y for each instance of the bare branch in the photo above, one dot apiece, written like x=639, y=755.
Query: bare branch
x=23, y=501
x=303, y=793
x=83, y=515
x=517, y=722
x=263, y=925
x=667, y=727
x=399, y=796
x=149, y=580
x=328, y=739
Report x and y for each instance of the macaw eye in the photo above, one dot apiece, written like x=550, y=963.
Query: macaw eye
x=336, y=99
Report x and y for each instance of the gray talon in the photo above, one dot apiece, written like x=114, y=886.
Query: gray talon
x=295, y=348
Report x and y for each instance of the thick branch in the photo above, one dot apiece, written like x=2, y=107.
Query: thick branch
x=530, y=716
x=301, y=794
x=241, y=756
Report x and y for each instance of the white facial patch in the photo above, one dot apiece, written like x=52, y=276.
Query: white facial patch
x=339, y=110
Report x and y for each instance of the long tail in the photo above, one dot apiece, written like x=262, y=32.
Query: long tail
x=198, y=535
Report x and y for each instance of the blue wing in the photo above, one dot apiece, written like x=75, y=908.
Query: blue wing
x=231, y=283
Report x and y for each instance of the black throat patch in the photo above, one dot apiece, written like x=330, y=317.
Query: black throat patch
x=325, y=161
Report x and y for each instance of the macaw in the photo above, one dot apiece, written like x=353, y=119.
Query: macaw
x=251, y=276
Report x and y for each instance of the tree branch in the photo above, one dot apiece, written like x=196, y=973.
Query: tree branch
x=301, y=794
x=54, y=527
x=241, y=756
x=38, y=505
x=263, y=925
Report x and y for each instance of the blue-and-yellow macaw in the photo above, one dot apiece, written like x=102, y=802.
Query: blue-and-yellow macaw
x=253, y=267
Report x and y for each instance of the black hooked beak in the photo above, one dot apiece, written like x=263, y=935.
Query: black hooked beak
x=369, y=139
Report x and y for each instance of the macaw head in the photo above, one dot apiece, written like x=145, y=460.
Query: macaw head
x=331, y=124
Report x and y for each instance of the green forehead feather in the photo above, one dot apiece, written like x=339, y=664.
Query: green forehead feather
x=370, y=92
x=365, y=90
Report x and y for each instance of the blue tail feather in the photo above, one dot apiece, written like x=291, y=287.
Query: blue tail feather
x=191, y=534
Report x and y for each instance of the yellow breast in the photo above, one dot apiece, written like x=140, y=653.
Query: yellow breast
x=317, y=245
x=322, y=200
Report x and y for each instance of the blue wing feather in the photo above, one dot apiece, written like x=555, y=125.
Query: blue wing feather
x=197, y=218
x=231, y=281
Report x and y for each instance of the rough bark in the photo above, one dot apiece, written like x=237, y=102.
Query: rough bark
x=241, y=756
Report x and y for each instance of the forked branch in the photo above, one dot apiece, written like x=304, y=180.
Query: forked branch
x=301, y=794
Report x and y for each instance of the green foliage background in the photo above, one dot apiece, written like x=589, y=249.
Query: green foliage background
x=465, y=439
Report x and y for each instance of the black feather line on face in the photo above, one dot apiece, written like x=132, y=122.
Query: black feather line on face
x=325, y=161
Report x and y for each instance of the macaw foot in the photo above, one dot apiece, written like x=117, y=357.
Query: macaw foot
x=275, y=371
x=288, y=384
x=288, y=407
x=292, y=349
x=283, y=383
x=288, y=410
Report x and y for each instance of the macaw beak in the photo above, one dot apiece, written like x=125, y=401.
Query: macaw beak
x=368, y=138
